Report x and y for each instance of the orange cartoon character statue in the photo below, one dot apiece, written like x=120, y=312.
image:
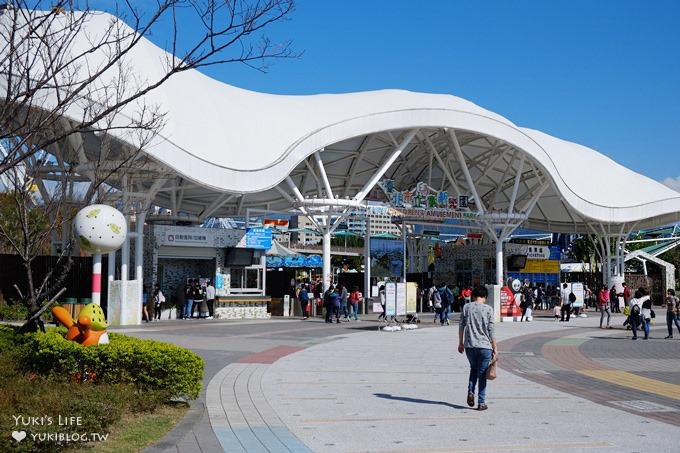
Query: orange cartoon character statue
x=89, y=329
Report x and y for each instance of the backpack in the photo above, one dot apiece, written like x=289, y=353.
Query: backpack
x=437, y=299
x=444, y=296
x=572, y=297
x=634, y=311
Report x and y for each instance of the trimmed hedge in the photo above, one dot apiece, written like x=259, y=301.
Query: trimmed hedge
x=13, y=312
x=161, y=368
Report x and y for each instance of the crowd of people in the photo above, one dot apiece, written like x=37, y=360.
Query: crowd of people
x=339, y=303
x=195, y=300
x=336, y=302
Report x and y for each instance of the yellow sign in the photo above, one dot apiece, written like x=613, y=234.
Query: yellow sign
x=411, y=297
x=542, y=266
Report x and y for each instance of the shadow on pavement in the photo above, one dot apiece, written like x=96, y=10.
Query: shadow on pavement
x=418, y=401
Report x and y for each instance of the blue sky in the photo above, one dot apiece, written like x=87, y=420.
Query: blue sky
x=602, y=73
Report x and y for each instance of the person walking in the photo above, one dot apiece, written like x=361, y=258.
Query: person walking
x=381, y=295
x=646, y=312
x=588, y=298
x=210, y=299
x=603, y=304
x=318, y=292
x=672, y=312
x=540, y=297
x=614, y=300
x=634, y=317
x=565, y=301
x=188, y=299
x=199, y=300
x=446, y=295
x=436, y=299
x=355, y=298
x=625, y=294
x=331, y=304
x=344, y=299
x=145, y=304
x=158, y=300
x=477, y=338
x=527, y=301
x=306, y=307
x=336, y=304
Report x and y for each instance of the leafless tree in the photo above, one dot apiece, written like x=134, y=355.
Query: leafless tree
x=61, y=78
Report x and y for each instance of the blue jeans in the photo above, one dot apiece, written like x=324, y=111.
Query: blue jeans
x=604, y=309
x=355, y=310
x=670, y=319
x=479, y=359
x=188, y=306
x=444, y=314
x=645, y=326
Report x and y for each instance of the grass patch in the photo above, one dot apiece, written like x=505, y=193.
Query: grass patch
x=134, y=432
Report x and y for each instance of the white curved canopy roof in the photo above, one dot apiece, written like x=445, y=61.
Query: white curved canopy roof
x=224, y=149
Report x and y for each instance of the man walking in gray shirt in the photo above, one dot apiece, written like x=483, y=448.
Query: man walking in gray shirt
x=476, y=337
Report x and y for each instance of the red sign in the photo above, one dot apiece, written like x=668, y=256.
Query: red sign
x=508, y=306
x=279, y=224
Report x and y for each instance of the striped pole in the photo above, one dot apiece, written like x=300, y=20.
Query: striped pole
x=96, y=278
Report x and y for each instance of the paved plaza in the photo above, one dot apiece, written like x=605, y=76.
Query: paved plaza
x=562, y=387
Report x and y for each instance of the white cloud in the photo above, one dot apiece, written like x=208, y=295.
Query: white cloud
x=673, y=183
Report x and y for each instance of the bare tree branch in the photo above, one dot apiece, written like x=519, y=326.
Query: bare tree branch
x=68, y=82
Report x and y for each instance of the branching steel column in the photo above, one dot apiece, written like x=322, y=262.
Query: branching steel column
x=442, y=165
x=466, y=171
x=515, y=188
x=359, y=197
x=324, y=176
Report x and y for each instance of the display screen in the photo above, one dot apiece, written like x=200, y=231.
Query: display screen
x=237, y=256
x=516, y=262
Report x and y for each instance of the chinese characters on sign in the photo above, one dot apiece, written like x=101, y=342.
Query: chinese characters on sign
x=424, y=201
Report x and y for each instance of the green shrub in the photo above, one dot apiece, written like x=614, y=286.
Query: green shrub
x=159, y=370
x=39, y=407
x=13, y=312
x=7, y=338
x=36, y=386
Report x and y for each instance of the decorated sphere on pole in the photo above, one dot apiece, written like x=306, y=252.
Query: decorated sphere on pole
x=100, y=228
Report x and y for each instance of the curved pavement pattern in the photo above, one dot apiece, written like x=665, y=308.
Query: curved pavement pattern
x=562, y=387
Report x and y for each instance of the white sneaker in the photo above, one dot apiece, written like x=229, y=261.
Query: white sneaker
x=210, y=317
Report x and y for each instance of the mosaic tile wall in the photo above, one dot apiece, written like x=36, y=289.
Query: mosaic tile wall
x=176, y=271
x=173, y=272
x=250, y=310
x=445, y=267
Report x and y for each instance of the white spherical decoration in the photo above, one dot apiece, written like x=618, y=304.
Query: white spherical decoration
x=100, y=228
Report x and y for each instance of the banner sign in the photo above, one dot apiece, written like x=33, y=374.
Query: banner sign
x=424, y=202
x=390, y=299
x=311, y=261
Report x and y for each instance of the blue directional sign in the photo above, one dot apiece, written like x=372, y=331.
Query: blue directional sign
x=259, y=238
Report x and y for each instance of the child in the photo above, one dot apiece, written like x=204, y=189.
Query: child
x=557, y=312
